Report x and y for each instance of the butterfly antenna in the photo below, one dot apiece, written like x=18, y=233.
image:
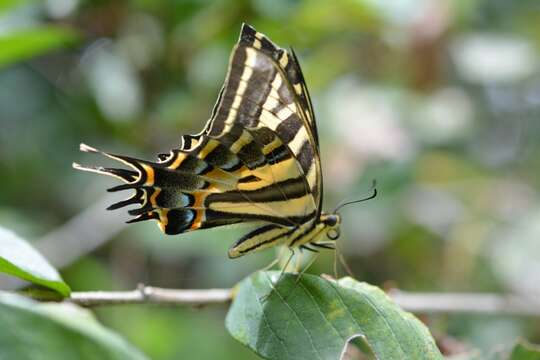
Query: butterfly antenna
x=373, y=194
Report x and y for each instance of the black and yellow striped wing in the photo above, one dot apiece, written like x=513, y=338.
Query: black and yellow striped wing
x=257, y=158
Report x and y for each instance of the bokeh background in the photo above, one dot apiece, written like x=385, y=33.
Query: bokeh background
x=437, y=100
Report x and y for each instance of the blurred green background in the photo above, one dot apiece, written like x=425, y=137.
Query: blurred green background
x=437, y=100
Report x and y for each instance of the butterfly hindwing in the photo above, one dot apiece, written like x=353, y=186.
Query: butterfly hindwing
x=270, y=235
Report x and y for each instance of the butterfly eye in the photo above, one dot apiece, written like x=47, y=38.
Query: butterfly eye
x=330, y=220
x=333, y=234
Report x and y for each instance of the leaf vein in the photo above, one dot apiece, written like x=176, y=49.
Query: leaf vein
x=320, y=311
x=298, y=318
x=378, y=313
x=267, y=323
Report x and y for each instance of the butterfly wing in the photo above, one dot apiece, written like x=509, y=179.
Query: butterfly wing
x=265, y=88
x=256, y=159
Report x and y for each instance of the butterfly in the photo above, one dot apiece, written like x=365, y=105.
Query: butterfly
x=257, y=160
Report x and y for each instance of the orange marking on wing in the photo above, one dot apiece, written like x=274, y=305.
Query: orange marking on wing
x=149, y=175
x=163, y=219
x=198, y=203
x=154, y=197
x=179, y=158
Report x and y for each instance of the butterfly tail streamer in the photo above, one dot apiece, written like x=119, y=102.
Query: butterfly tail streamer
x=165, y=191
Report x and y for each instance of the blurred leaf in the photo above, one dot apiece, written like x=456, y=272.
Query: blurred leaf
x=19, y=259
x=314, y=318
x=7, y=5
x=28, y=43
x=31, y=330
x=521, y=350
x=525, y=351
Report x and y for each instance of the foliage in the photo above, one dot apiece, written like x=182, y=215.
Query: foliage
x=314, y=318
x=23, y=44
x=278, y=315
x=311, y=302
x=525, y=351
x=32, y=330
x=19, y=259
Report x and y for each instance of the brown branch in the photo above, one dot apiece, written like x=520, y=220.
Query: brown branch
x=426, y=303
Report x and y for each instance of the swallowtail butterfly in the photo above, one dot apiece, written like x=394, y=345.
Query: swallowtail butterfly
x=256, y=160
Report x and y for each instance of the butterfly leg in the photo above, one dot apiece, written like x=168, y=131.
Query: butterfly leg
x=338, y=255
x=265, y=297
x=329, y=246
x=299, y=275
x=344, y=263
x=284, y=268
x=298, y=262
x=336, y=275
x=271, y=265
x=307, y=247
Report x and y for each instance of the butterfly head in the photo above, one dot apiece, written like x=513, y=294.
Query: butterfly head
x=331, y=223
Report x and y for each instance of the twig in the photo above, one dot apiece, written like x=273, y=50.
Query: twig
x=154, y=295
x=472, y=303
x=426, y=303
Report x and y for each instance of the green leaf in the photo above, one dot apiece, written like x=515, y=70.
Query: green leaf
x=525, y=351
x=315, y=318
x=7, y=5
x=19, y=259
x=32, y=330
x=25, y=44
x=520, y=350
